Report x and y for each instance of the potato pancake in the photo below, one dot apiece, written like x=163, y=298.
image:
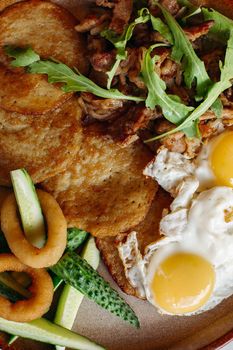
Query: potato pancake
x=44, y=145
x=147, y=232
x=104, y=191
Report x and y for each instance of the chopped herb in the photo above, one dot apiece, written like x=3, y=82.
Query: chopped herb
x=213, y=94
x=120, y=42
x=23, y=56
x=60, y=73
x=222, y=25
x=194, y=68
x=173, y=110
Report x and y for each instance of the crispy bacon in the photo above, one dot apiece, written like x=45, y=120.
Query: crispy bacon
x=195, y=32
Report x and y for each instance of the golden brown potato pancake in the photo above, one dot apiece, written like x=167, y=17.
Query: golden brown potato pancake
x=47, y=28
x=147, y=232
x=28, y=93
x=104, y=191
x=44, y=145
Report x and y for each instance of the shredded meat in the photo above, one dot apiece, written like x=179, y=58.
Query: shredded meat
x=105, y=3
x=195, y=32
x=125, y=128
x=175, y=142
x=101, y=109
x=121, y=15
x=93, y=23
x=211, y=60
x=102, y=61
x=171, y=5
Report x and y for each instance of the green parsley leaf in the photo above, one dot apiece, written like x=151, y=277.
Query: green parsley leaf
x=222, y=24
x=120, y=42
x=23, y=57
x=213, y=93
x=194, y=68
x=73, y=81
x=173, y=110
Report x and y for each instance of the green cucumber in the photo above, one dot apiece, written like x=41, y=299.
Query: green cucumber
x=29, y=207
x=10, y=282
x=45, y=331
x=9, y=293
x=80, y=275
x=75, y=237
x=71, y=299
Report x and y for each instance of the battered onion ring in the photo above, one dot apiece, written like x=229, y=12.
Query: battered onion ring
x=56, y=232
x=41, y=290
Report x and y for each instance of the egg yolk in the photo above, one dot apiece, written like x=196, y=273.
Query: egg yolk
x=183, y=283
x=222, y=159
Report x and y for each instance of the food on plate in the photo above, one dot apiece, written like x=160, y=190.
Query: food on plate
x=104, y=191
x=41, y=292
x=147, y=232
x=123, y=119
x=30, y=24
x=196, y=233
x=79, y=274
x=56, y=232
x=53, y=139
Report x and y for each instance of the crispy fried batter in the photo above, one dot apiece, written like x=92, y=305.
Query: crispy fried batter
x=28, y=93
x=147, y=232
x=47, y=28
x=44, y=144
x=104, y=191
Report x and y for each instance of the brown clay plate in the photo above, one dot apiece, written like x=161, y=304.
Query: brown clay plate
x=157, y=331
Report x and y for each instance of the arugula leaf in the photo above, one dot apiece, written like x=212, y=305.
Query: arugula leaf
x=73, y=81
x=173, y=110
x=23, y=57
x=162, y=28
x=222, y=24
x=191, y=10
x=213, y=94
x=194, y=68
x=217, y=108
x=120, y=42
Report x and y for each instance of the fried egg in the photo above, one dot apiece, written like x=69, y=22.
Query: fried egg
x=190, y=269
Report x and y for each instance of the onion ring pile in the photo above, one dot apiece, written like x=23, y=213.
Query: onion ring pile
x=41, y=292
x=56, y=232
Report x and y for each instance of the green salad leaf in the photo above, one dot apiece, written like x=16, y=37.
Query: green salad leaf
x=222, y=24
x=213, y=93
x=23, y=56
x=60, y=73
x=217, y=108
x=194, y=68
x=173, y=110
x=162, y=28
x=191, y=10
x=120, y=42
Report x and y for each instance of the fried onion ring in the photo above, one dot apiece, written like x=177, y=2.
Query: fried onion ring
x=41, y=292
x=19, y=245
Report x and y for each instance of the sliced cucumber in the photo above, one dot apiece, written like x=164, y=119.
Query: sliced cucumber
x=29, y=207
x=75, y=237
x=9, y=293
x=45, y=331
x=71, y=299
x=10, y=282
x=80, y=275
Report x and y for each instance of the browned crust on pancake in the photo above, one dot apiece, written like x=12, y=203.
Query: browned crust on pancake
x=104, y=191
x=44, y=145
x=47, y=28
x=147, y=232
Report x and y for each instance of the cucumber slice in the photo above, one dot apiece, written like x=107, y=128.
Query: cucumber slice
x=80, y=275
x=71, y=299
x=10, y=282
x=75, y=237
x=29, y=207
x=45, y=331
